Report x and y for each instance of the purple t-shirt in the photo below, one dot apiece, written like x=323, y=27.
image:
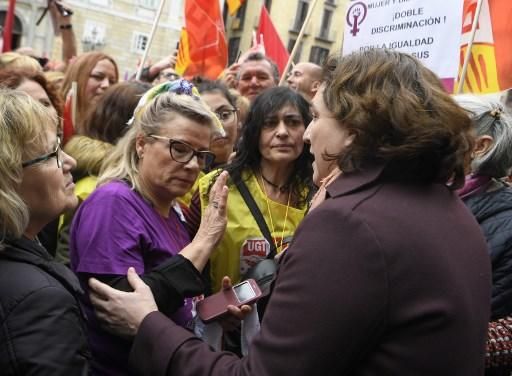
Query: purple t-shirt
x=115, y=228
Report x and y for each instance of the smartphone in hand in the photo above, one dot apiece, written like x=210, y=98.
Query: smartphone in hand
x=216, y=306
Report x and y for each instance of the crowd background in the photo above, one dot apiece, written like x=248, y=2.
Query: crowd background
x=157, y=165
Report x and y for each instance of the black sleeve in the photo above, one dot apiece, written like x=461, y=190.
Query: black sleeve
x=170, y=282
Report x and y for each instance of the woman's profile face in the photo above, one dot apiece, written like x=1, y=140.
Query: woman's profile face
x=222, y=146
x=47, y=186
x=36, y=91
x=281, y=136
x=326, y=136
x=101, y=77
x=164, y=177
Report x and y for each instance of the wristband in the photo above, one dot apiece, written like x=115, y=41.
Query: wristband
x=66, y=27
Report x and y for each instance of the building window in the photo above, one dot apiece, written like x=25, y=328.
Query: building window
x=318, y=55
x=298, y=52
x=233, y=47
x=300, y=17
x=150, y=4
x=326, y=24
x=140, y=42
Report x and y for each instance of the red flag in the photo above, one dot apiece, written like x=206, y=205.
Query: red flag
x=274, y=47
x=207, y=42
x=8, y=26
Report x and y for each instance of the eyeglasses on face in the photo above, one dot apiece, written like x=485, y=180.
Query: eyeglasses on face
x=226, y=116
x=182, y=152
x=44, y=158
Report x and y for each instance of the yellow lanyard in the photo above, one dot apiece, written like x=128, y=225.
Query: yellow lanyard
x=270, y=214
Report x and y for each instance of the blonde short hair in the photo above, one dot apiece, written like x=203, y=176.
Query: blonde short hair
x=22, y=136
x=122, y=164
x=15, y=60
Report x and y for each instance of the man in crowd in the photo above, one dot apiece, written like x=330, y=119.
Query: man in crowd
x=305, y=78
x=255, y=74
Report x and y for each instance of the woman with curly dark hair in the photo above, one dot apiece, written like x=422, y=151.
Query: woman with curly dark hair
x=389, y=274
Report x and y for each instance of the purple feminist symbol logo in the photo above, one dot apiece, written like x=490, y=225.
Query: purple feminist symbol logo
x=355, y=16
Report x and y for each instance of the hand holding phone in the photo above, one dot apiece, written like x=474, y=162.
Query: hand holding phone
x=216, y=306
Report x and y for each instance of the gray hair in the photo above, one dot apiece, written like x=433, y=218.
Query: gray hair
x=123, y=163
x=490, y=118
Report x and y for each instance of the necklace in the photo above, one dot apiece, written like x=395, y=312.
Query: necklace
x=270, y=214
x=282, y=188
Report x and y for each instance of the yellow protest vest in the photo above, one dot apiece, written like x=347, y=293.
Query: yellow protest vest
x=243, y=244
x=187, y=197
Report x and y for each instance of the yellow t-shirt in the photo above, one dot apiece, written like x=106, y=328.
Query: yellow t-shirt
x=243, y=244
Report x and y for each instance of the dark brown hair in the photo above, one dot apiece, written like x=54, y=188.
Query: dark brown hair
x=107, y=120
x=400, y=115
x=12, y=78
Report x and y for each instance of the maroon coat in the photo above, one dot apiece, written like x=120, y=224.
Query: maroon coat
x=381, y=279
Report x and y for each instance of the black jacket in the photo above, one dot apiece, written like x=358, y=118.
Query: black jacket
x=42, y=328
x=493, y=211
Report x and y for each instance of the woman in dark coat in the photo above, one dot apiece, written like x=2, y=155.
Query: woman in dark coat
x=490, y=200
x=42, y=331
x=387, y=275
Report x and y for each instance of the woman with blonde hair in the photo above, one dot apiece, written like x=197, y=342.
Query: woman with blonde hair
x=11, y=60
x=104, y=125
x=93, y=72
x=34, y=83
x=42, y=327
x=132, y=218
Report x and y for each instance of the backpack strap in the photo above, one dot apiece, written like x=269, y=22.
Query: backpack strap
x=256, y=213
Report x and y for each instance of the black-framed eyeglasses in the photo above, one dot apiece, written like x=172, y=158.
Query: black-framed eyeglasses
x=44, y=158
x=182, y=152
x=226, y=116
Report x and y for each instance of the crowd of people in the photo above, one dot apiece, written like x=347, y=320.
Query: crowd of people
x=380, y=200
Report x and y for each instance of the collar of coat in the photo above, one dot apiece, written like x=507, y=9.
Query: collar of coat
x=353, y=181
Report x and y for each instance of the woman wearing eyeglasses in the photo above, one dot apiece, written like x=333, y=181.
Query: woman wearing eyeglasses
x=42, y=327
x=35, y=84
x=216, y=95
x=223, y=104
x=132, y=218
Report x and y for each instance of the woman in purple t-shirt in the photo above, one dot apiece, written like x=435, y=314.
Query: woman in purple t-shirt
x=132, y=219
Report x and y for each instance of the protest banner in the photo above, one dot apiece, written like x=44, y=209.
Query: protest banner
x=428, y=30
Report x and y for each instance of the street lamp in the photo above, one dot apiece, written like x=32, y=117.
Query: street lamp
x=92, y=41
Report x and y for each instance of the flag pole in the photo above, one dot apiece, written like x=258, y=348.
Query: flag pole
x=464, y=72
x=297, y=42
x=9, y=25
x=150, y=39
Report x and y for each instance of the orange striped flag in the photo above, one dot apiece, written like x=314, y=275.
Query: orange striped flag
x=233, y=6
x=490, y=61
